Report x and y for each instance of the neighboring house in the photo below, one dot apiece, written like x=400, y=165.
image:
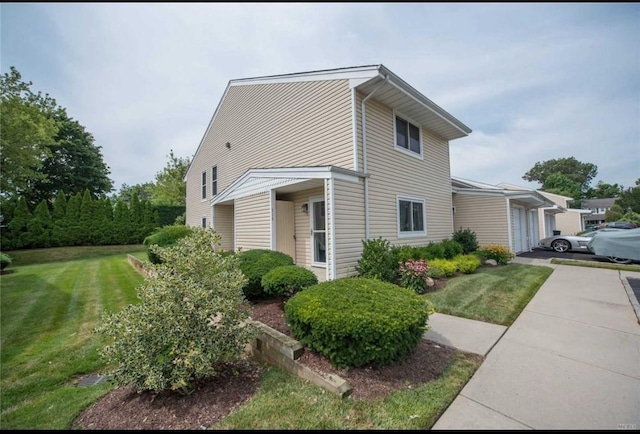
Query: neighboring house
x=570, y=222
x=500, y=215
x=313, y=163
x=567, y=222
x=597, y=207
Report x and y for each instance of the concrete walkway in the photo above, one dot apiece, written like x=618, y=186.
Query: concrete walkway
x=571, y=360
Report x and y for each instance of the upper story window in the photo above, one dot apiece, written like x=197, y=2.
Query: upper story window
x=407, y=136
x=214, y=180
x=411, y=217
x=204, y=185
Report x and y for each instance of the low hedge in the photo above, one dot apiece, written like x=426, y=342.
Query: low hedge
x=165, y=237
x=440, y=268
x=358, y=321
x=255, y=264
x=5, y=261
x=288, y=280
x=467, y=264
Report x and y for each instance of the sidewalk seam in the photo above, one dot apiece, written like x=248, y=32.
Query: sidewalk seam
x=496, y=411
x=579, y=322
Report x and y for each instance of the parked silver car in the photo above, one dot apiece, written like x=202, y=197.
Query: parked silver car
x=566, y=243
x=622, y=247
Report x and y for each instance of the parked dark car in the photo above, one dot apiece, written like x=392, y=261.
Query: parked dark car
x=619, y=225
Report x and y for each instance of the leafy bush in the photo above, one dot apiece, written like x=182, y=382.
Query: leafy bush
x=358, y=321
x=441, y=268
x=165, y=237
x=255, y=264
x=5, y=261
x=497, y=252
x=189, y=319
x=451, y=249
x=432, y=251
x=288, y=280
x=466, y=264
x=467, y=239
x=377, y=261
x=414, y=275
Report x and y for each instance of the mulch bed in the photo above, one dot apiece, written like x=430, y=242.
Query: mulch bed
x=212, y=400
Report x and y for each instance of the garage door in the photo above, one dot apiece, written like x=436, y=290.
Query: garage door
x=519, y=229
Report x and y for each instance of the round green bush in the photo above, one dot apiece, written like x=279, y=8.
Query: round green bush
x=358, y=321
x=5, y=261
x=467, y=239
x=255, y=264
x=165, y=237
x=451, y=248
x=288, y=280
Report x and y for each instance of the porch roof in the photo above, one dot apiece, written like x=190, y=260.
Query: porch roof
x=256, y=181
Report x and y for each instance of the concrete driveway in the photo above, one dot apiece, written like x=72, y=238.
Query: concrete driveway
x=571, y=360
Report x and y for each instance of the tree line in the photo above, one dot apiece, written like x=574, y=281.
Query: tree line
x=54, y=183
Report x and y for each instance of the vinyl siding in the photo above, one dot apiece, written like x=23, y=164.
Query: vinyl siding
x=223, y=225
x=273, y=125
x=350, y=231
x=569, y=223
x=393, y=173
x=485, y=215
x=253, y=222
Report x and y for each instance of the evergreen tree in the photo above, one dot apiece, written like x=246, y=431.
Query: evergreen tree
x=58, y=229
x=121, y=223
x=39, y=226
x=136, y=219
x=86, y=222
x=72, y=221
x=18, y=225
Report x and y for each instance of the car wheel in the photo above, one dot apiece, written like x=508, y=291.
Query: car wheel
x=560, y=246
x=619, y=260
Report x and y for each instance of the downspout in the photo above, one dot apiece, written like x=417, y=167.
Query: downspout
x=509, y=233
x=364, y=158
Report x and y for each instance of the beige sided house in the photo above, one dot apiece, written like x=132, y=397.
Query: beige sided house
x=499, y=215
x=312, y=163
x=570, y=222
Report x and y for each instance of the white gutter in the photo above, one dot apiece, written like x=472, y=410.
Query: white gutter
x=354, y=120
x=364, y=158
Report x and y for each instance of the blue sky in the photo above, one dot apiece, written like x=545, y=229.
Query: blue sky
x=534, y=81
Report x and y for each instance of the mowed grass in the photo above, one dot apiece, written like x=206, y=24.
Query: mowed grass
x=592, y=264
x=496, y=295
x=286, y=402
x=49, y=311
x=54, y=254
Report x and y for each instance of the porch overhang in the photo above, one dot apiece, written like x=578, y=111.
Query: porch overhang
x=256, y=181
x=531, y=198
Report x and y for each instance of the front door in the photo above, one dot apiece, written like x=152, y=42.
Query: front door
x=285, y=229
x=317, y=215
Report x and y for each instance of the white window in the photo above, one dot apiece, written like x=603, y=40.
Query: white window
x=204, y=222
x=411, y=217
x=407, y=137
x=204, y=185
x=214, y=180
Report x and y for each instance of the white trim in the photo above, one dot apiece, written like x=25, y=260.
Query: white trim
x=354, y=73
x=203, y=177
x=255, y=181
x=313, y=199
x=354, y=127
x=213, y=221
x=412, y=234
x=332, y=213
x=326, y=229
x=272, y=223
x=509, y=230
x=419, y=156
x=430, y=106
x=216, y=190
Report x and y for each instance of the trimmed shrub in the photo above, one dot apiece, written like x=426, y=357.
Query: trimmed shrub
x=377, y=261
x=190, y=318
x=358, y=321
x=165, y=237
x=288, y=280
x=451, y=248
x=466, y=264
x=255, y=264
x=441, y=268
x=5, y=261
x=497, y=252
x=467, y=239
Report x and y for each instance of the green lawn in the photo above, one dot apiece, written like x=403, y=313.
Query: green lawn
x=593, y=264
x=496, y=294
x=48, y=314
x=50, y=308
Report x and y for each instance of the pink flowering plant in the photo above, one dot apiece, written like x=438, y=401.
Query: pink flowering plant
x=414, y=274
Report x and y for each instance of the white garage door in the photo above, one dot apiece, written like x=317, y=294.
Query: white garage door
x=519, y=229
